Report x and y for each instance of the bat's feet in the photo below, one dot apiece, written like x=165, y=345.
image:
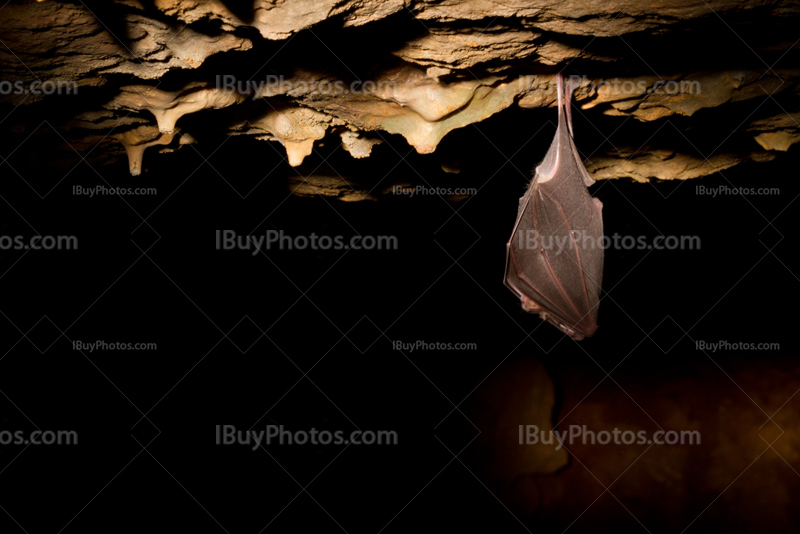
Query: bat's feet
x=531, y=307
x=574, y=334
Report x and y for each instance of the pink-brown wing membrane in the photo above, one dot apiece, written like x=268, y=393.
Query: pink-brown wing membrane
x=555, y=255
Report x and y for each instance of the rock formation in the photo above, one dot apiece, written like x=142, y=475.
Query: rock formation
x=306, y=72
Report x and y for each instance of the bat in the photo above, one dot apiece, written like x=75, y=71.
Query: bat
x=554, y=259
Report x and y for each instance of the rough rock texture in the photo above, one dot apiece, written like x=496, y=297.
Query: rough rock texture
x=521, y=393
x=676, y=482
x=359, y=146
x=295, y=128
x=589, y=17
x=779, y=132
x=446, y=49
x=137, y=140
x=641, y=164
x=279, y=20
x=307, y=72
x=463, y=48
x=65, y=41
x=328, y=186
x=738, y=451
x=168, y=107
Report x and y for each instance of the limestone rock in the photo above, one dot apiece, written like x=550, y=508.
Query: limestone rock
x=168, y=107
x=588, y=17
x=650, y=98
x=739, y=446
x=433, y=67
x=136, y=141
x=423, y=111
x=328, y=186
x=87, y=51
x=295, y=128
x=359, y=146
x=279, y=20
x=448, y=48
x=778, y=132
x=517, y=396
x=644, y=163
x=777, y=140
x=464, y=48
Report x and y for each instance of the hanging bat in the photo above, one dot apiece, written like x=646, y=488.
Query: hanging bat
x=554, y=259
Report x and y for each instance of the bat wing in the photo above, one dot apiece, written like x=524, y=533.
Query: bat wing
x=554, y=259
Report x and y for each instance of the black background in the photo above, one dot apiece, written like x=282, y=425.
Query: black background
x=303, y=338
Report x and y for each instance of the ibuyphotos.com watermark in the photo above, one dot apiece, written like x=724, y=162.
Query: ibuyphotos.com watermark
x=104, y=346
x=533, y=435
x=420, y=345
x=714, y=346
x=621, y=86
x=725, y=190
x=279, y=435
x=38, y=437
x=533, y=240
x=102, y=191
x=38, y=242
x=278, y=240
x=422, y=190
x=272, y=85
x=38, y=87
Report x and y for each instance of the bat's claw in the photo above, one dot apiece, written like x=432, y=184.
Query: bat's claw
x=577, y=336
x=529, y=305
